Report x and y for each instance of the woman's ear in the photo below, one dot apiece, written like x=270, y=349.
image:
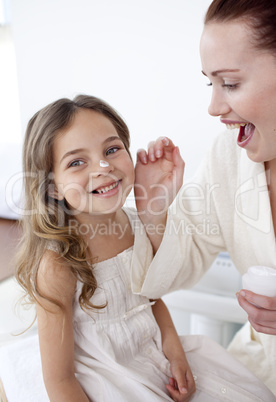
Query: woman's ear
x=53, y=192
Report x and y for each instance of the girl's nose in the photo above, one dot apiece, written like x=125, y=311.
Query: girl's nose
x=104, y=163
x=102, y=167
x=218, y=105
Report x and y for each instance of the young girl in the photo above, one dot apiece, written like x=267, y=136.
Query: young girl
x=98, y=340
x=237, y=181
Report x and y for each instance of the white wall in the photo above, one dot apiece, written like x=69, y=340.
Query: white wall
x=139, y=55
x=9, y=102
x=142, y=56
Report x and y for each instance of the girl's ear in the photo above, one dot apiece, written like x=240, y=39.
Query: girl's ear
x=53, y=192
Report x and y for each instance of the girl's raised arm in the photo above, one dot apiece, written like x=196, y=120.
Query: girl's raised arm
x=55, y=281
x=158, y=178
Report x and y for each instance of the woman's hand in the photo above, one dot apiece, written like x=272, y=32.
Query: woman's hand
x=261, y=311
x=158, y=177
x=181, y=385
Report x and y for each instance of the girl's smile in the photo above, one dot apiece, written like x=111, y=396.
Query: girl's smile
x=107, y=190
x=243, y=83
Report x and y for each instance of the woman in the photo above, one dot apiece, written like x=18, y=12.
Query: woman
x=233, y=195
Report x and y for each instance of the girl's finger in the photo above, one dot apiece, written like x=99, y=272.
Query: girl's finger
x=163, y=145
x=177, y=159
x=181, y=384
x=179, y=166
x=173, y=392
x=157, y=148
x=190, y=382
x=151, y=151
x=142, y=156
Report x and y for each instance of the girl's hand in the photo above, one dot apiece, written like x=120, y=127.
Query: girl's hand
x=158, y=177
x=261, y=311
x=181, y=385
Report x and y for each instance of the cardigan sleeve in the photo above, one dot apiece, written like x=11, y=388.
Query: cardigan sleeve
x=193, y=235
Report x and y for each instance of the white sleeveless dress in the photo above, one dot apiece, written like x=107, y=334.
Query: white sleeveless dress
x=118, y=352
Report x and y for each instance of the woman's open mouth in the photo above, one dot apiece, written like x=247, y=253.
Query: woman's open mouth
x=245, y=134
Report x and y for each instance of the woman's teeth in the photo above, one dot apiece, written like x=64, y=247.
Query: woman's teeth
x=235, y=125
x=103, y=190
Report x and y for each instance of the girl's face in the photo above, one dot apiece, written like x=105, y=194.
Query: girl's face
x=92, y=169
x=243, y=81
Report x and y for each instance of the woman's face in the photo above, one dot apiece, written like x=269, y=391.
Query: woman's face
x=243, y=82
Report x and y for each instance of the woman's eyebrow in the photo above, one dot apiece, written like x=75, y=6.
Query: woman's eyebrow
x=225, y=70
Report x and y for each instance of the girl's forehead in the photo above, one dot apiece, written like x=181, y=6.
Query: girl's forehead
x=87, y=123
x=88, y=131
x=90, y=119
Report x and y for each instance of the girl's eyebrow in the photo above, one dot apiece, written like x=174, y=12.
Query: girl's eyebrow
x=113, y=138
x=225, y=70
x=73, y=152
x=79, y=150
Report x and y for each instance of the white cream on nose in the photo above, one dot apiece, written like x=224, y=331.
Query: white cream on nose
x=104, y=163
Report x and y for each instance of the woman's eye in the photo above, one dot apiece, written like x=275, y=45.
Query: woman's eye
x=112, y=150
x=230, y=86
x=76, y=163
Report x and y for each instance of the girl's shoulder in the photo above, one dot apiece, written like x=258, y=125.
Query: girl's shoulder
x=53, y=263
x=54, y=277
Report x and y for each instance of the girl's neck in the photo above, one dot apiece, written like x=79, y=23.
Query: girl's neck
x=96, y=220
x=107, y=235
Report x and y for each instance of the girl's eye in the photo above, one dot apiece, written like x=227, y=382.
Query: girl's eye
x=112, y=150
x=76, y=163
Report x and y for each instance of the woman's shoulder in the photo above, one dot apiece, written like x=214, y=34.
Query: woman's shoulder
x=221, y=163
x=224, y=156
x=225, y=145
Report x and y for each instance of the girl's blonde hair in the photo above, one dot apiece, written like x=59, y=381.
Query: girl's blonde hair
x=46, y=220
